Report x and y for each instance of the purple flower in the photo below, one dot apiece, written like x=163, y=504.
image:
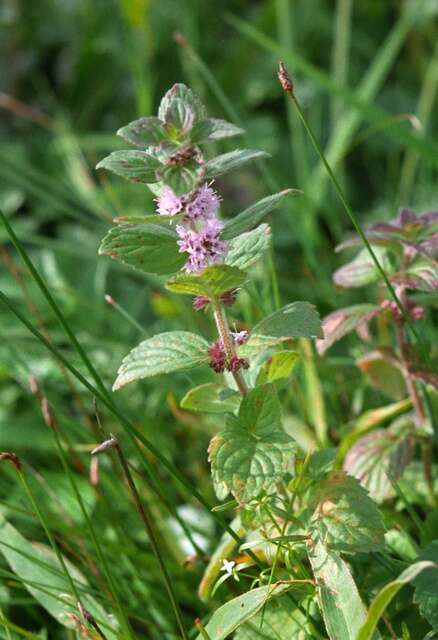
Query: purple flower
x=204, y=246
x=240, y=337
x=168, y=204
x=203, y=205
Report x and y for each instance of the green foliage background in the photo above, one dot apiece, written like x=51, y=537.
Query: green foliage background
x=71, y=74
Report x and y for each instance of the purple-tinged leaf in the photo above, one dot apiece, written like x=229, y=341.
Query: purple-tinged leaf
x=422, y=275
x=144, y=132
x=136, y=166
x=362, y=270
x=342, y=321
x=383, y=371
x=214, y=129
x=180, y=106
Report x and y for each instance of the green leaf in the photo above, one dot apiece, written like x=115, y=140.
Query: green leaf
x=231, y=615
x=249, y=247
x=176, y=103
x=279, y=620
x=154, y=218
x=231, y=161
x=164, y=353
x=380, y=457
x=258, y=344
x=43, y=577
x=211, y=282
x=252, y=453
x=214, y=129
x=383, y=371
x=181, y=177
x=144, y=132
x=362, y=270
x=278, y=368
x=390, y=590
x=342, y=321
x=254, y=214
x=338, y=597
x=426, y=586
x=211, y=398
x=136, y=166
x=345, y=517
x=295, y=320
x=148, y=247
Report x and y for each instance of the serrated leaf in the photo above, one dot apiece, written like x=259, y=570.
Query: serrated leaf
x=148, y=247
x=214, y=129
x=338, y=597
x=254, y=214
x=278, y=368
x=390, y=590
x=380, y=457
x=426, y=586
x=211, y=398
x=345, y=518
x=252, y=453
x=36, y=564
x=362, y=270
x=144, y=132
x=231, y=161
x=247, y=248
x=231, y=615
x=295, y=320
x=281, y=620
x=342, y=321
x=164, y=353
x=176, y=95
x=137, y=166
x=211, y=282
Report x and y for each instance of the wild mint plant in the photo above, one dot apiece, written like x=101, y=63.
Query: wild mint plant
x=297, y=514
x=407, y=247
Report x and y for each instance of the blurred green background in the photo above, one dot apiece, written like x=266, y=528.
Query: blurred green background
x=74, y=71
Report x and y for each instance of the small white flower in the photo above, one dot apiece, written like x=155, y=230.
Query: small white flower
x=228, y=566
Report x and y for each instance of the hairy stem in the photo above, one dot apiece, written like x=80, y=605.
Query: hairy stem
x=230, y=350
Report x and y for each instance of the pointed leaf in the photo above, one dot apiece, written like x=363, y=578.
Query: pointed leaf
x=165, y=352
x=260, y=410
x=231, y=161
x=211, y=282
x=214, y=129
x=426, y=586
x=278, y=368
x=338, y=597
x=136, y=166
x=342, y=321
x=179, y=95
x=211, y=398
x=281, y=620
x=362, y=270
x=254, y=214
x=231, y=615
x=249, y=247
x=295, y=320
x=345, y=517
x=384, y=372
x=144, y=132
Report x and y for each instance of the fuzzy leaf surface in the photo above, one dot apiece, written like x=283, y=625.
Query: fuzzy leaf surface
x=295, y=320
x=178, y=98
x=342, y=321
x=254, y=214
x=231, y=161
x=214, y=129
x=144, y=132
x=380, y=456
x=137, y=166
x=252, y=453
x=345, y=518
x=338, y=597
x=211, y=398
x=164, y=353
x=211, y=282
x=247, y=248
x=148, y=247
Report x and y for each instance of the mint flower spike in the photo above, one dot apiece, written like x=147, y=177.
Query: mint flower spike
x=204, y=246
x=203, y=205
x=168, y=204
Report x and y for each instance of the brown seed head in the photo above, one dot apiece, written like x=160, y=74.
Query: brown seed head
x=285, y=79
x=12, y=457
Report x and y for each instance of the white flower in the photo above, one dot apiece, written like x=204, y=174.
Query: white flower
x=228, y=566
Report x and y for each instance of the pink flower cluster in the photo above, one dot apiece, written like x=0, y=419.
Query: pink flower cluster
x=218, y=358
x=200, y=229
